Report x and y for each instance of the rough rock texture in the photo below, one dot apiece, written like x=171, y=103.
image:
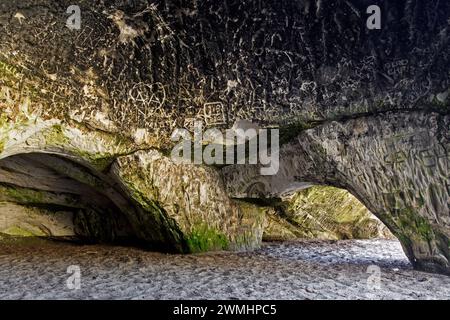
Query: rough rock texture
x=323, y=213
x=396, y=164
x=376, y=103
x=143, y=197
x=162, y=64
x=17, y=220
x=194, y=197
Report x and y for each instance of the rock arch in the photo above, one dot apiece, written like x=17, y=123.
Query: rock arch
x=376, y=103
x=396, y=163
x=102, y=209
x=119, y=192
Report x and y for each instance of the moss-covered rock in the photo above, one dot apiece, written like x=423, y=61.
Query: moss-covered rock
x=117, y=190
x=364, y=111
x=397, y=164
x=190, y=199
x=322, y=212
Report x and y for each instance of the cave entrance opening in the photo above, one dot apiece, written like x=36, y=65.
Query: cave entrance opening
x=323, y=213
x=46, y=195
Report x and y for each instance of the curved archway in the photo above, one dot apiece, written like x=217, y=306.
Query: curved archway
x=96, y=204
x=397, y=164
x=170, y=206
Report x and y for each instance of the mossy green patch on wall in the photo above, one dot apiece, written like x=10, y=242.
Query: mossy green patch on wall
x=204, y=238
x=37, y=197
x=21, y=232
x=56, y=136
x=290, y=131
x=2, y=145
x=100, y=161
x=323, y=212
x=22, y=195
x=413, y=226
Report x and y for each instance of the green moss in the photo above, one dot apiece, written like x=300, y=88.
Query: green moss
x=37, y=197
x=103, y=160
x=204, y=238
x=55, y=136
x=424, y=228
x=278, y=229
x=290, y=131
x=22, y=195
x=100, y=161
x=18, y=231
x=323, y=212
x=3, y=131
x=8, y=72
x=3, y=120
x=413, y=226
x=142, y=200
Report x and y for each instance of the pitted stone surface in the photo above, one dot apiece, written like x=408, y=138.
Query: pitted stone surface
x=397, y=164
x=364, y=110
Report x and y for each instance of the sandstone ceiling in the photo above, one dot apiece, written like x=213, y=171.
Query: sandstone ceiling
x=365, y=110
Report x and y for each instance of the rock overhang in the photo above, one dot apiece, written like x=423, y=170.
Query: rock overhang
x=347, y=90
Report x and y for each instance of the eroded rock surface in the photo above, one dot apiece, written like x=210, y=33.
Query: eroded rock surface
x=17, y=220
x=143, y=197
x=323, y=213
x=364, y=110
x=396, y=164
x=161, y=65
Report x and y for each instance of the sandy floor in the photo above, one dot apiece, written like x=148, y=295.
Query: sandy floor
x=295, y=270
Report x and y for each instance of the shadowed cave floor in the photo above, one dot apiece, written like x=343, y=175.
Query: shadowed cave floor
x=292, y=270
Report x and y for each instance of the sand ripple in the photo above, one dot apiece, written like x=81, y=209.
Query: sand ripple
x=293, y=270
